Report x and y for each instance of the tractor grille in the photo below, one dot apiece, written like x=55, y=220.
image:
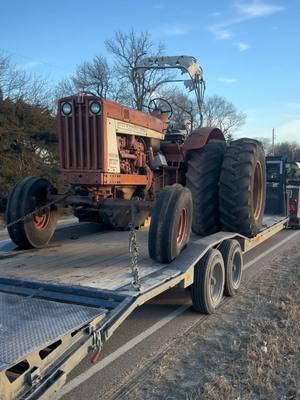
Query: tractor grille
x=80, y=138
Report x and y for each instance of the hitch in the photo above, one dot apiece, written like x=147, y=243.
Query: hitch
x=97, y=346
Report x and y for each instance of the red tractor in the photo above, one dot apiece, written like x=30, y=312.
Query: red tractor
x=114, y=157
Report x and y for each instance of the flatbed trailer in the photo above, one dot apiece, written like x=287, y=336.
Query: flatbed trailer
x=60, y=303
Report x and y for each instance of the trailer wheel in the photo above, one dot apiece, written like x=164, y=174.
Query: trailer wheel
x=171, y=222
x=29, y=194
x=243, y=187
x=209, y=276
x=233, y=261
x=202, y=178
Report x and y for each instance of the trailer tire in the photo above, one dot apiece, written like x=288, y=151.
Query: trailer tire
x=209, y=277
x=36, y=230
x=243, y=187
x=170, y=225
x=202, y=178
x=233, y=262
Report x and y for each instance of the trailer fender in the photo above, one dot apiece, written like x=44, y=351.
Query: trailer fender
x=200, y=136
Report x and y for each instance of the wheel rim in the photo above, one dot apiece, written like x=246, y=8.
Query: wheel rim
x=216, y=283
x=181, y=226
x=41, y=220
x=257, y=190
x=236, y=270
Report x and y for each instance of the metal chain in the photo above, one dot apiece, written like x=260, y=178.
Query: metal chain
x=30, y=214
x=134, y=250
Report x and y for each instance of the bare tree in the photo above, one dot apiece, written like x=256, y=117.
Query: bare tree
x=129, y=49
x=267, y=145
x=185, y=109
x=223, y=114
x=94, y=77
x=64, y=88
x=117, y=82
x=291, y=150
x=17, y=84
x=13, y=81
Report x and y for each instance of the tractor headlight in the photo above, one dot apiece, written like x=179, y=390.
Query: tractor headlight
x=95, y=107
x=66, y=109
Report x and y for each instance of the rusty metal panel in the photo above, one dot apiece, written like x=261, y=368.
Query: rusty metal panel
x=123, y=179
x=80, y=136
x=81, y=139
x=136, y=117
x=91, y=177
x=199, y=137
x=74, y=143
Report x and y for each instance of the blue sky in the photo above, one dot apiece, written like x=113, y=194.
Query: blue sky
x=249, y=50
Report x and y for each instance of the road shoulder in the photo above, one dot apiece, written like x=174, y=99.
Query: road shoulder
x=248, y=350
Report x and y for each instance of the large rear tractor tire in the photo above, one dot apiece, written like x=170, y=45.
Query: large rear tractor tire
x=35, y=231
x=209, y=277
x=171, y=221
x=202, y=178
x=243, y=187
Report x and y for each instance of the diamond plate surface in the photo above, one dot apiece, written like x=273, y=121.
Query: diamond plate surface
x=28, y=324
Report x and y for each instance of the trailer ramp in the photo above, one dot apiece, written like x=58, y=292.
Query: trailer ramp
x=40, y=326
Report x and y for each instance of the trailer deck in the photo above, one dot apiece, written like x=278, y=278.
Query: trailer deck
x=58, y=303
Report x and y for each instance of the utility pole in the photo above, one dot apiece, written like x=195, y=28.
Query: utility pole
x=273, y=142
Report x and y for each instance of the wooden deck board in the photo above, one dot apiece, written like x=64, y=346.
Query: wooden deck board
x=102, y=259
x=99, y=260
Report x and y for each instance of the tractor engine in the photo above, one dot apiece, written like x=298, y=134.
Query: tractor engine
x=132, y=153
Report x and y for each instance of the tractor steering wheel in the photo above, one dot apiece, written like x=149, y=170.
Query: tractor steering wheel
x=157, y=105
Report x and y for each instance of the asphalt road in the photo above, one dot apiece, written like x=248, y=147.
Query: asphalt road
x=151, y=330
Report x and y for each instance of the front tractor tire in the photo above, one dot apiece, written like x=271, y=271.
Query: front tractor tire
x=202, y=178
x=171, y=221
x=36, y=230
x=243, y=187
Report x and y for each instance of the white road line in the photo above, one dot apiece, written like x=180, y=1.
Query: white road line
x=78, y=380
x=265, y=253
x=73, y=384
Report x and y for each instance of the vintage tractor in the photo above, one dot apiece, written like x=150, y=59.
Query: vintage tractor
x=115, y=158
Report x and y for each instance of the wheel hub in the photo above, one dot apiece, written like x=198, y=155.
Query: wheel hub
x=216, y=283
x=236, y=270
x=181, y=226
x=41, y=219
x=257, y=190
